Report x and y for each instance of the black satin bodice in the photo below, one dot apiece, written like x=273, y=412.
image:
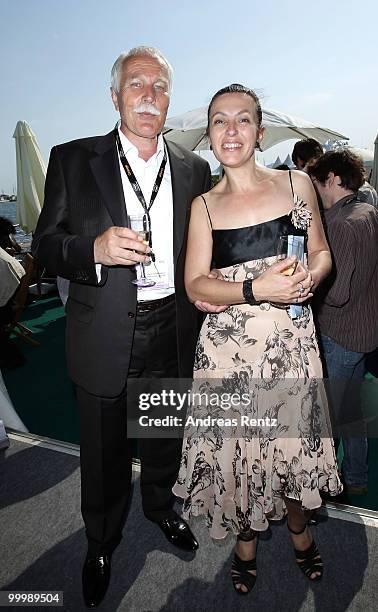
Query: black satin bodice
x=233, y=246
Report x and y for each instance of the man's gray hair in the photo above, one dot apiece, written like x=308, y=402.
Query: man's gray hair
x=137, y=52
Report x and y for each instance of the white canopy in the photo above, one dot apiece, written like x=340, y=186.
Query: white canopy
x=366, y=155
x=189, y=129
x=31, y=174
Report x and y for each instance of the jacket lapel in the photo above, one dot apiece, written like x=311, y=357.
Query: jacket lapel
x=180, y=175
x=105, y=168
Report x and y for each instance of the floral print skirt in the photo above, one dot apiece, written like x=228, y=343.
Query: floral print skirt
x=237, y=475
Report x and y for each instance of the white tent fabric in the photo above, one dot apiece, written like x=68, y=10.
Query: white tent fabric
x=288, y=161
x=11, y=273
x=366, y=155
x=276, y=163
x=31, y=174
x=8, y=414
x=217, y=171
x=189, y=129
x=374, y=175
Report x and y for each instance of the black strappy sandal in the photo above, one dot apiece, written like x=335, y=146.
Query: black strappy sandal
x=240, y=574
x=308, y=563
x=240, y=569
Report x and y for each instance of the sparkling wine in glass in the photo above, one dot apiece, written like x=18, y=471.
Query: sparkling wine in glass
x=138, y=223
x=283, y=250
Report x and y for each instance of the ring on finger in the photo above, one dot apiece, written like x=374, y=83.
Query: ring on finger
x=301, y=289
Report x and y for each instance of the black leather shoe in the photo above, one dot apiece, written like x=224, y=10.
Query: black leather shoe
x=95, y=576
x=178, y=533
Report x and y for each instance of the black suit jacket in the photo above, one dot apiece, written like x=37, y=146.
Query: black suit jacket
x=83, y=198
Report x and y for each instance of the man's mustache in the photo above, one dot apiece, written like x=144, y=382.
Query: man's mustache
x=146, y=107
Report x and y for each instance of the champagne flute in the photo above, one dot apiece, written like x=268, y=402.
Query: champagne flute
x=283, y=250
x=138, y=223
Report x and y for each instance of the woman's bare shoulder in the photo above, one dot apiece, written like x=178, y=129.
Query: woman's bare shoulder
x=304, y=190
x=212, y=195
x=300, y=179
x=301, y=182
x=202, y=201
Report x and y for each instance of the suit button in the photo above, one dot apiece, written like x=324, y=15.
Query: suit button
x=131, y=315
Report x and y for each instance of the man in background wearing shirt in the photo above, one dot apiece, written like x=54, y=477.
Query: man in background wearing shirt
x=307, y=150
x=114, y=330
x=347, y=304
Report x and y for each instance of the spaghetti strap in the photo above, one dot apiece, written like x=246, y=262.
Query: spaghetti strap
x=291, y=183
x=207, y=210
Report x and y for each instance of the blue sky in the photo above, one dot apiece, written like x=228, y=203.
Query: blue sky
x=316, y=60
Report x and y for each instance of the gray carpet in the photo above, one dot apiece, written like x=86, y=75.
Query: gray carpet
x=43, y=546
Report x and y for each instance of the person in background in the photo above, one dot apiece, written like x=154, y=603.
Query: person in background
x=309, y=149
x=7, y=240
x=116, y=331
x=368, y=194
x=347, y=304
x=304, y=151
x=11, y=273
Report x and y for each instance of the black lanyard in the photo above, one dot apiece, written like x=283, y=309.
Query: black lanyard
x=136, y=187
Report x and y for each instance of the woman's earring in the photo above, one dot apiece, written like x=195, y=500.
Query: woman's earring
x=257, y=145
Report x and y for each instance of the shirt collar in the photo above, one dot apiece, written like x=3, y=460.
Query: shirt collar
x=130, y=148
x=333, y=211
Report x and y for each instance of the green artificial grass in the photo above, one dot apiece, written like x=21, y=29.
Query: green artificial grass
x=41, y=391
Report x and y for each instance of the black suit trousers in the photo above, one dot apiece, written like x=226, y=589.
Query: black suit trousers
x=106, y=451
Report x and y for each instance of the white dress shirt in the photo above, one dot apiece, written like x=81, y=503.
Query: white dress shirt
x=161, y=213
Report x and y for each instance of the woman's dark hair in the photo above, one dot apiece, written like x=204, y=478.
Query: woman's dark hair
x=345, y=164
x=236, y=88
x=306, y=149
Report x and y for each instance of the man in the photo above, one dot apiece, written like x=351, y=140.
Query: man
x=308, y=150
x=348, y=302
x=305, y=151
x=114, y=330
x=7, y=240
x=368, y=194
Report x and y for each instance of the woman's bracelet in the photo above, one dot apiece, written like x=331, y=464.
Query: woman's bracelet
x=248, y=292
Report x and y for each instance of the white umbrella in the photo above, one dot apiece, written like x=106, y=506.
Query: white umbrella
x=31, y=174
x=374, y=174
x=189, y=129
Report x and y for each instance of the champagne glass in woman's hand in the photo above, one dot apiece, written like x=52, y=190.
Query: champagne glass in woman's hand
x=138, y=223
x=282, y=253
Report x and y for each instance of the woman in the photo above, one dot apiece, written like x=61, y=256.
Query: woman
x=239, y=482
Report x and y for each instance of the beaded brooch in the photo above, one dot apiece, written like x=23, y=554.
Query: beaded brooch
x=300, y=216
